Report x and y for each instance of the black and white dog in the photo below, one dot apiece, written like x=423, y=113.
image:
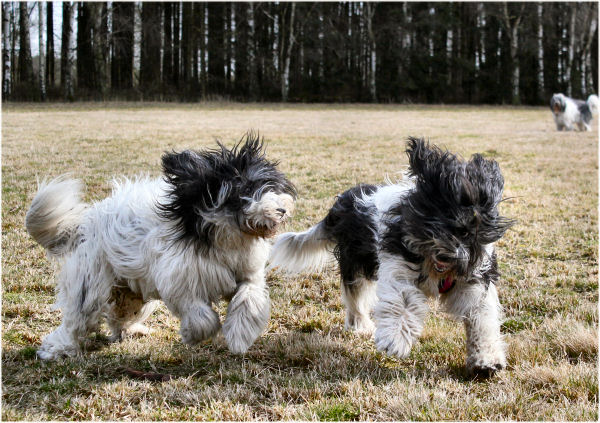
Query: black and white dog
x=569, y=112
x=429, y=236
x=188, y=239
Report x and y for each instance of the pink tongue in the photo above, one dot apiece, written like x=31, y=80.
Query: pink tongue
x=446, y=285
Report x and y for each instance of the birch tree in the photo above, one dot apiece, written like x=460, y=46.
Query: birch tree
x=42, y=62
x=369, y=13
x=6, y=62
x=66, y=51
x=252, y=77
x=512, y=24
x=571, y=50
x=540, y=45
x=285, y=74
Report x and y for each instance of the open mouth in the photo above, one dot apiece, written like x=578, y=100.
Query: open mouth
x=440, y=267
x=445, y=284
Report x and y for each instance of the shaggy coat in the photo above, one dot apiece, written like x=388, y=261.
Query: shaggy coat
x=570, y=113
x=431, y=235
x=189, y=239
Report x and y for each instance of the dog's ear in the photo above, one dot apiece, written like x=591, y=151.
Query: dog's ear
x=423, y=158
x=486, y=176
x=186, y=166
x=194, y=187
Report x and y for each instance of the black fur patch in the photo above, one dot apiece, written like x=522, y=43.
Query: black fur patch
x=196, y=179
x=454, y=203
x=350, y=225
x=584, y=110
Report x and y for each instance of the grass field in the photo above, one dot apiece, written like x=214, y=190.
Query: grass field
x=306, y=367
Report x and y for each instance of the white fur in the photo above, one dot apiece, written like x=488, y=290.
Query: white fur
x=359, y=301
x=121, y=257
x=307, y=251
x=55, y=213
x=571, y=117
x=593, y=103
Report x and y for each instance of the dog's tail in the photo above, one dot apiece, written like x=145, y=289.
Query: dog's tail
x=55, y=214
x=593, y=103
x=296, y=252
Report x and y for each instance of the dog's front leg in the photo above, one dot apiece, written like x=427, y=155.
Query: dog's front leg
x=198, y=322
x=247, y=314
x=399, y=314
x=480, y=310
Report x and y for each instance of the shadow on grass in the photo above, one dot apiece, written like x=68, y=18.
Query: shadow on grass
x=276, y=356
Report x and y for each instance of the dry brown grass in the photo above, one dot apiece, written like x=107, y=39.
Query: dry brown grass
x=305, y=366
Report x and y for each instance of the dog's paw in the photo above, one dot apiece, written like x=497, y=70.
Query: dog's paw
x=486, y=365
x=137, y=329
x=392, y=343
x=237, y=346
x=48, y=354
x=363, y=326
x=485, y=371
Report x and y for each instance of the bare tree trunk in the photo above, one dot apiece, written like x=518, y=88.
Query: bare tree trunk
x=285, y=76
x=176, y=43
x=571, y=52
x=320, y=48
x=6, y=64
x=369, y=13
x=98, y=44
x=252, y=76
x=42, y=62
x=586, y=55
x=202, y=37
x=186, y=43
x=25, y=60
x=167, y=66
x=227, y=46
x=13, y=45
x=540, y=39
x=512, y=29
x=50, y=77
x=66, y=51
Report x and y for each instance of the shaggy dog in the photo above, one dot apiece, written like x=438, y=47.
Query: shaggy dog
x=568, y=112
x=429, y=236
x=189, y=239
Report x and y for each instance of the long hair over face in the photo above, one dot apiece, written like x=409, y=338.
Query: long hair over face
x=213, y=187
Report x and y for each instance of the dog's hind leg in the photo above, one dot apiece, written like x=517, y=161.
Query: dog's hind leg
x=358, y=297
x=399, y=314
x=480, y=311
x=247, y=314
x=83, y=291
x=127, y=312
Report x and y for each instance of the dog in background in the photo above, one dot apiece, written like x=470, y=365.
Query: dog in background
x=569, y=112
x=432, y=235
x=188, y=239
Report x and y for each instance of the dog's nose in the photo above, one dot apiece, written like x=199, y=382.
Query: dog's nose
x=282, y=211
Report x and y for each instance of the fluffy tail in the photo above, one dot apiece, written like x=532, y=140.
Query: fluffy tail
x=593, y=103
x=296, y=252
x=55, y=214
